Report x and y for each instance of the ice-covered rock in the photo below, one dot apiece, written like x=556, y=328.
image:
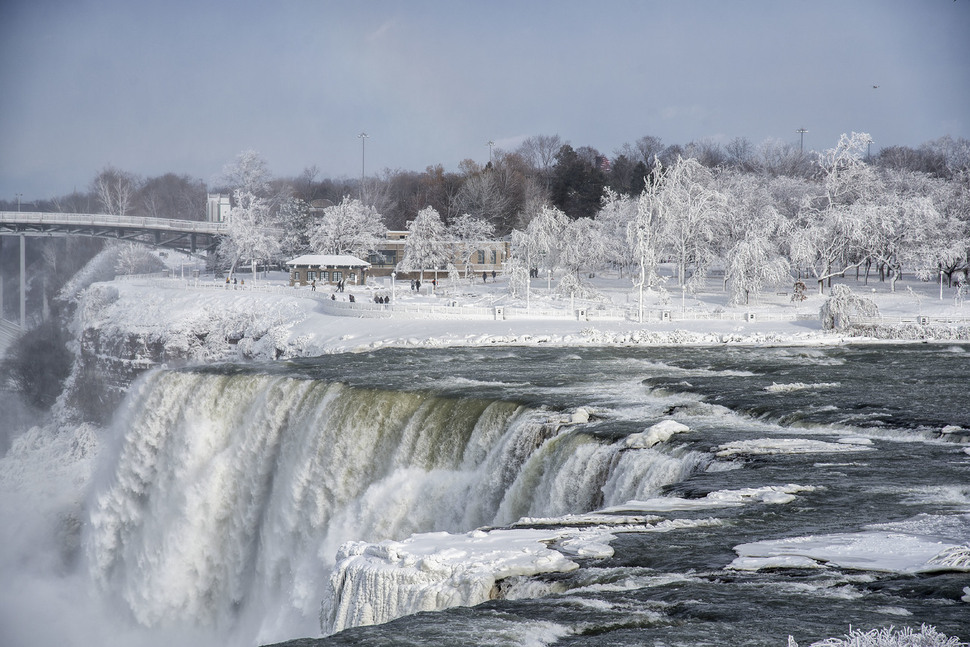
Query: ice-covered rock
x=375, y=583
x=656, y=434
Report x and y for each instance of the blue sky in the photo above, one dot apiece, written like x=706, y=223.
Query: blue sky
x=153, y=86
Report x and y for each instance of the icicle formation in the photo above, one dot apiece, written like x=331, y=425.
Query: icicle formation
x=231, y=494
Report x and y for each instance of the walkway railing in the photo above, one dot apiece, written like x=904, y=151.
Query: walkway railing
x=107, y=220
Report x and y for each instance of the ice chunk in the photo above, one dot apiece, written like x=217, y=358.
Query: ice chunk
x=658, y=433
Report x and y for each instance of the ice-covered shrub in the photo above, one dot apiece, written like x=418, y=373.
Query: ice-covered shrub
x=569, y=286
x=842, y=305
x=926, y=636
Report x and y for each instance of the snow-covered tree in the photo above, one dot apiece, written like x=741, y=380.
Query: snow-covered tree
x=542, y=239
x=900, y=231
x=692, y=205
x=248, y=173
x=350, y=227
x=613, y=219
x=583, y=245
x=643, y=235
x=751, y=265
x=425, y=246
x=468, y=232
x=828, y=237
x=296, y=222
x=749, y=234
x=249, y=236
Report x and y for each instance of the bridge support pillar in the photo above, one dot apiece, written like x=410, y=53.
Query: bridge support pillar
x=23, y=282
x=1, y=277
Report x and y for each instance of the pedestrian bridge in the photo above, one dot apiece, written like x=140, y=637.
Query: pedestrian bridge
x=186, y=235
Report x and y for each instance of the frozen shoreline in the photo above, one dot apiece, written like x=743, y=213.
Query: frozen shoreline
x=205, y=324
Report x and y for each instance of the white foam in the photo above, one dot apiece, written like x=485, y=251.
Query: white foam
x=800, y=386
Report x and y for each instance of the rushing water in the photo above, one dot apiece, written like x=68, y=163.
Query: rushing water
x=231, y=488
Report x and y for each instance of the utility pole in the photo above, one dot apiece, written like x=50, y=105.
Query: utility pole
x=363, y=139
x=801, y=143
x=490, y=144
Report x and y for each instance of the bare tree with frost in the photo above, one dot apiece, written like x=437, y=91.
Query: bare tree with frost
x=116, y=190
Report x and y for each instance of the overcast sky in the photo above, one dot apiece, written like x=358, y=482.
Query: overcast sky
x=185, y=85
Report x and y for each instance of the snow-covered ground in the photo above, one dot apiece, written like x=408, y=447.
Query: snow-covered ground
x=273, y=319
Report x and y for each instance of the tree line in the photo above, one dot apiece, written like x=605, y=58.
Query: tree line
x=757, y=213
x=506, y=191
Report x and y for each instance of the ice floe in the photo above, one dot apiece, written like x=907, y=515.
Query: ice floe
x=765, y=446
x=873, y=550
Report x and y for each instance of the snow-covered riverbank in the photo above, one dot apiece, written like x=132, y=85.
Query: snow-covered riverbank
x=205, y=321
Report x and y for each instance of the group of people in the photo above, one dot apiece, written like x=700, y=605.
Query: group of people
x=381, y=298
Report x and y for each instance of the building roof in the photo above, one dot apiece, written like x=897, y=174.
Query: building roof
x=328, y=260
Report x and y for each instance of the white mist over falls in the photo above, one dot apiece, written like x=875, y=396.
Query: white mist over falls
x=254, y=504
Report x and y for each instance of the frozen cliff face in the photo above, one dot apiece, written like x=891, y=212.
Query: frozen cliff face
x=122, y=330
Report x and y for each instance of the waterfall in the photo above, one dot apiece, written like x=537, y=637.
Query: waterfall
x=227, y=496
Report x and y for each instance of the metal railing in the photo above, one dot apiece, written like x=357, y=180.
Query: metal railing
x=107, y=220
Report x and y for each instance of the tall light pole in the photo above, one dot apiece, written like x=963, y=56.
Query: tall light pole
x=801, y=143
x=490, y=144
x=363, y=139
x=19, y=195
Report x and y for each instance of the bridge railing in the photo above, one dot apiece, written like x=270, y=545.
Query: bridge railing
x=108, y=220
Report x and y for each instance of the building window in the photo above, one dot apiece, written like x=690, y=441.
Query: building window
x=338, y=277
x=494, y=257
x=311, y=275
x=296, y=276
x=325, y=275
x=481, y=257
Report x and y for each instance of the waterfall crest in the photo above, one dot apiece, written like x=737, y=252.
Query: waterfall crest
x=228, y=496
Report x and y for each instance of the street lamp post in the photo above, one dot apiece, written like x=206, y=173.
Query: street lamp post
x=363, y=138
x=19, y=195
x=393, y=279
x=801, y=143
x=490, y=144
